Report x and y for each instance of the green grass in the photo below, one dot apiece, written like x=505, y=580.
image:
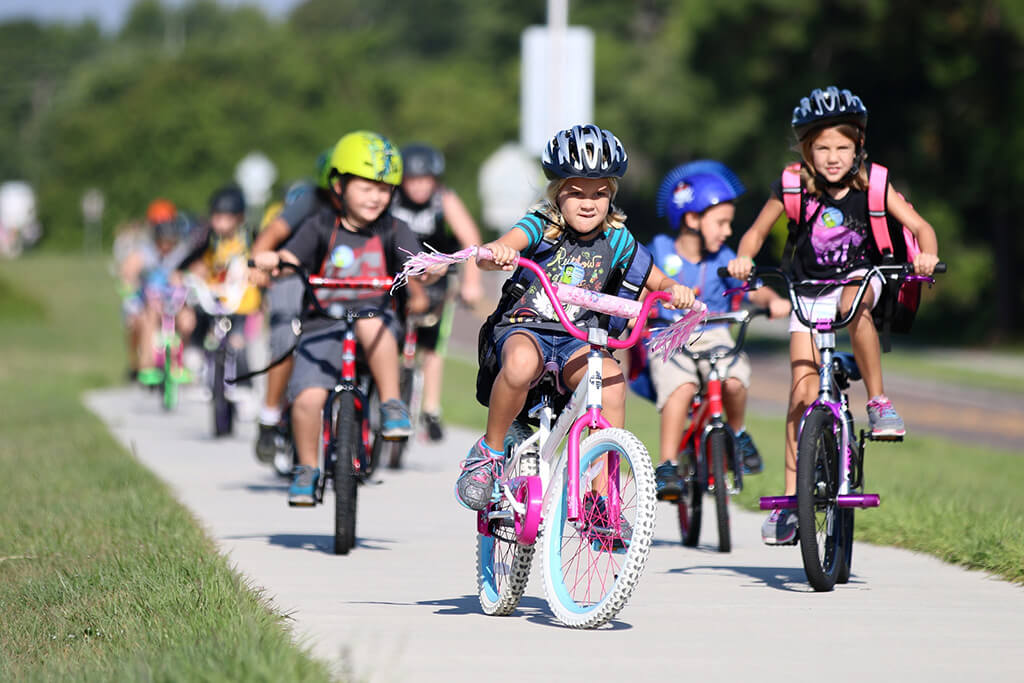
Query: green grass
x=103, y=576
x=961, y=504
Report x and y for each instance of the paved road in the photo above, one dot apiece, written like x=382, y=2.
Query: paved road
x=402, y=606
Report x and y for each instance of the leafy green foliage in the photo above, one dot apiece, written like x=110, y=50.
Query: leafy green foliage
x=170, y=104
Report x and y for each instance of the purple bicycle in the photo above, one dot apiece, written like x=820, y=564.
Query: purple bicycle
x=596, y=493
x=830, y=454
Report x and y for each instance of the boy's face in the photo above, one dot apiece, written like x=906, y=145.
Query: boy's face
x=225, y=224
x=585, y=202
x=419, y=188
x=365, y=200
x=716, y=226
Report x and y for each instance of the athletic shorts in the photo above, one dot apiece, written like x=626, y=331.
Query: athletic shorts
x=318, y=355
x=680, y=369
x=827, y=306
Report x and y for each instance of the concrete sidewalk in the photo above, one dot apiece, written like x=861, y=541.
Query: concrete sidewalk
x=402, y=606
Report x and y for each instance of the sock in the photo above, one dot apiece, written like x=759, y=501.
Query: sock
x=270, y=416
x=498, y=454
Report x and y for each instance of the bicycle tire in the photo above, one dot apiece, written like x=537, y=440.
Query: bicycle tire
x=846, y=519
x=817, y=484
x=503, y=565
x=717, y=452
x=589, y=575
x=169, y=386
x=222, y=407
x=691, y=502
x=347, y=441
x=392, y=451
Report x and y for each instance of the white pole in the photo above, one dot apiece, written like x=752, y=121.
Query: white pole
x=558, y=22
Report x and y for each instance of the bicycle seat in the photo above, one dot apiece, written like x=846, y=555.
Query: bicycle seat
x=551, y=376
x=845, y=362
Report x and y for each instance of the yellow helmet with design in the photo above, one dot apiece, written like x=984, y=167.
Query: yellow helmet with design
x=367, y=155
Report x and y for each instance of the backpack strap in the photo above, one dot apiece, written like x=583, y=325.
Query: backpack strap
x=878, y=184
x=792, y=191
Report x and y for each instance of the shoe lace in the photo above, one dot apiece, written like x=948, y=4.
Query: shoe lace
x=479, y=459
x=884, y=407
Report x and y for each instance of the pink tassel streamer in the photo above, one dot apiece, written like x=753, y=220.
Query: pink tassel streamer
x=420, y=263
x=670, y=339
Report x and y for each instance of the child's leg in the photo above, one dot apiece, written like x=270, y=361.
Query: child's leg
x=802, y=392
x=307, y=410
x=149, y=323
x=521, y=364
x=867, y=349
x=734, y=400
x=673, y=420
x=433, y=372
x=381, y=350
x=185, y=323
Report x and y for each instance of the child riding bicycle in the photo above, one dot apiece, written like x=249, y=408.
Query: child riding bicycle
x=697, y=199
x=592, y=248
x=359, y=240
x=830, y=239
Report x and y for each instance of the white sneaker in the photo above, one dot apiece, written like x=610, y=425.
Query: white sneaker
x=780, y=528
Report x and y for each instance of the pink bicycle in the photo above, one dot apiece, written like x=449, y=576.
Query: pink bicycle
x=597, y=493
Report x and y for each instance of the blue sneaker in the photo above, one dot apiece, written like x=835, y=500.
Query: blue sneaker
x=475, y=486
x=751, y=459
x=395, y=424
x=301, y=492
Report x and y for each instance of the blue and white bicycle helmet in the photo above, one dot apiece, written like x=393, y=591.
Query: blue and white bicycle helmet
x=584, y=152
x=696, y=187
x=830, y=106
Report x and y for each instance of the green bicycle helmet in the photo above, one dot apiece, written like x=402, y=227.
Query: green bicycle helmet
x=366, y=155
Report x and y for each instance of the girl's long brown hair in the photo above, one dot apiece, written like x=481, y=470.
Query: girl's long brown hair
x=859, y=181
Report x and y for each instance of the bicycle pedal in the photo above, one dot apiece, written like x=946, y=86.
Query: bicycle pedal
x=294, y=504
x=885, y=437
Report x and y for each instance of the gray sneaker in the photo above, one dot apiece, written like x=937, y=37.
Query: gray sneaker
x=475, y=486
x=394, y=420
x=885, y=422
x=779, y=528
x=301, y=492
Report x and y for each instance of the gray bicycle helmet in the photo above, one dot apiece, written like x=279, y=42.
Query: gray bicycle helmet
x=830, y=106
x=584, y=152
x=420, y=160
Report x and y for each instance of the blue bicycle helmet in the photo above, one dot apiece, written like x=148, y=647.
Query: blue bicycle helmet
x=830, y=106
x=696, y=187
x=584, y=152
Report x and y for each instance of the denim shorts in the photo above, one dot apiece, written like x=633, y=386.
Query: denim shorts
x=554, y=347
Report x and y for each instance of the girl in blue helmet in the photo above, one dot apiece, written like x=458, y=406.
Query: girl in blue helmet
x=831, y=237
x=697, y=199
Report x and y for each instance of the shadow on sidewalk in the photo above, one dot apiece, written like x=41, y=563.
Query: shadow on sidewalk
x=789, y=579
x=323, y=543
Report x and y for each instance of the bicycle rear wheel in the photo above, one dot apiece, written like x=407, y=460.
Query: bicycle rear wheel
x=593, y=564
x=223, y=409
x=717, y=453
x=818, y=515
x=502, y=563
x=394, y=450
x=348, y=439
x=691, y=502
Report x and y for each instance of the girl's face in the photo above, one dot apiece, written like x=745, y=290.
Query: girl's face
x=716, y=226
x=365, y=200
x=419, y=188
x=832, y=154
x=585, y=202
x=225, y=224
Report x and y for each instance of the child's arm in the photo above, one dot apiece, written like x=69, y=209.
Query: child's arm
x=901, y=210
x=682, y=296
x=753, y=239
x=505, y=250
x=465, y=231
x=777, y=306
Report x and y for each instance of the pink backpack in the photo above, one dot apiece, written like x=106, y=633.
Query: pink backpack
x=898, y=305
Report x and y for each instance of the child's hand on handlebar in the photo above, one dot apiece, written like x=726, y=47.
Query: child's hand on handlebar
x=924, y=264
x=682, y=297
x=503, y=257
x=740, y=267
x=265, y=262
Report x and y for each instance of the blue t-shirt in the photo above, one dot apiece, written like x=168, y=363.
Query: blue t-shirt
x=701, y=277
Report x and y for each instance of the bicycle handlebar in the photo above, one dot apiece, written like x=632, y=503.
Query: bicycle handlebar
x=892, y=272
x=312, y=281
x=591, y=300
x=743, y=318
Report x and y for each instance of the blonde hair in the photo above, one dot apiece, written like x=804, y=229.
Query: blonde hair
x=858, y=181
x=548, y=207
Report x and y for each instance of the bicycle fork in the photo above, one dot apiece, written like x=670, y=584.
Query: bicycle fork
x=591, y=419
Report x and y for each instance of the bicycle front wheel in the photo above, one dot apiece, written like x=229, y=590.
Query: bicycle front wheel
x=347, y=443
x=502, y=563
x=223, y=410
x=593, y=564
x=717, y=453
x=818, y=514
x=691, y=502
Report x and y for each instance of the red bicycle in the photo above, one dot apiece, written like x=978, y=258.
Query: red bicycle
x=708, y=439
